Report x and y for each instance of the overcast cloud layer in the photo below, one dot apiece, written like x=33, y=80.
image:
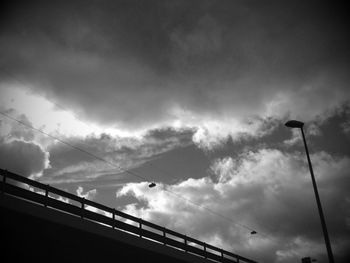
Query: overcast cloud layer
x=136, y=64
x=192, y=95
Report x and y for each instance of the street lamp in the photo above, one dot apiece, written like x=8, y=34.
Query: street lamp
x=151, y=185
x=298, y=124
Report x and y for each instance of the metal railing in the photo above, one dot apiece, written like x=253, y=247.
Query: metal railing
x=52, y=198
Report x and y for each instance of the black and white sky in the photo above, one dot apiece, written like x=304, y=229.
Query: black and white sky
x=192, y=95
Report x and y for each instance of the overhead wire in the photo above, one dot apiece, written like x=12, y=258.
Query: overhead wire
x=72, y=146
x=164, y=172
x=123, y=169
x=155, y=167
x=131, y=173
x=59, y=106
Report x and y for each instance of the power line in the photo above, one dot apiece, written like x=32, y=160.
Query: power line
x=164, y=172
x=209, y=210
x=64, y=142
x=150, y=164
x=73, y=146
x=127, y=171
x=118, y=167
x=73, y=114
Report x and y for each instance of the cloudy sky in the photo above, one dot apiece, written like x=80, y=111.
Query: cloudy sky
x=192, y=95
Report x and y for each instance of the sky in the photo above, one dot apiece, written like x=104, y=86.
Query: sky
x=100, y=98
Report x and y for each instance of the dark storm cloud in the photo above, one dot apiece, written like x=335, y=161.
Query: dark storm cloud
x=18, y=150
x=23, y=158
x=136, y=63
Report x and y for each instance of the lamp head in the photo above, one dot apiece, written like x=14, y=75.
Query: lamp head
x=294, y=124
x=151, y=185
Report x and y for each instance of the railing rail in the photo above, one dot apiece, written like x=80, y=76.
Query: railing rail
x=136, y=226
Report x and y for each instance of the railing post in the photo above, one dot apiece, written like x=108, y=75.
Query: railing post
x=4, y=181
x=82, y=207
x=205, y=250
x=222, y=255
x=164, y=236
x=46, y=195
x=113, y=216
x=185, y=239
x=140, y=227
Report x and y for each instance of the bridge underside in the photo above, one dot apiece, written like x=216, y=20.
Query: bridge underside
x=32, y=232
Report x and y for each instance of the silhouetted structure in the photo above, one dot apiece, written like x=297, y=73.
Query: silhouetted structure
x=38, y=225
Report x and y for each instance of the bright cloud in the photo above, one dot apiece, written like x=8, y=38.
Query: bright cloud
x=90, y=195
x=265, y=190
x=56, y=119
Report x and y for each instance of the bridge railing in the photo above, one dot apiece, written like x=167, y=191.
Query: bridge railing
x=54, y=198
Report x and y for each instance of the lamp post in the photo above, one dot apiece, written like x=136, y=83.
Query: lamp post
x=298, y=124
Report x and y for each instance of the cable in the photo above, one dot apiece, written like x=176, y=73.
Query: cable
x=127, y=171
x=150, y=164
x=74, y=115
x=59, y=106
x=164, y=172
x=118, y=167
x=74, y=147
x=214, y=212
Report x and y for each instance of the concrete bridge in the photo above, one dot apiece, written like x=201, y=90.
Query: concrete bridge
x=37, y=225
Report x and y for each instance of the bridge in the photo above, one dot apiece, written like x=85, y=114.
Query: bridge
x=42, y=223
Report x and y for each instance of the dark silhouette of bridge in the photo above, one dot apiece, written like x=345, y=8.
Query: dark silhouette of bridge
x=39, y=223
